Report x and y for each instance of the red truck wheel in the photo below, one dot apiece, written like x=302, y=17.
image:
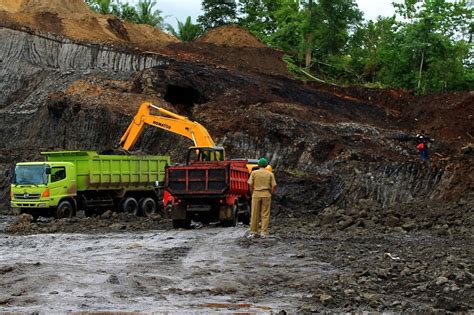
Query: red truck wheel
x=233, y=220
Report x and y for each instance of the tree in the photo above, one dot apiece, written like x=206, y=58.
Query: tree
x=334, y=20
x=433, y=41
x=424, y=49
x=147, y=15
x=258, y=16
x=125, y=12
x=143, y=13
x=288, y=31
x=309, y=27
x=368, y=43
x=100, y=6
x=218, y=13
x=186, y=31
x=309, y=34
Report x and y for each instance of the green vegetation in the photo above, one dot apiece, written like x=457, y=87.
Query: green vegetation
x=143, y=13
x=101, y=6
x=147, y=15
x=426, y=46
x=218, y=13
x=186, y=31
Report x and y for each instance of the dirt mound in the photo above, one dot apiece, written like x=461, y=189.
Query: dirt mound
x=10, y=5
x=74, y=19
x=58, y=6
x=247, y=59
x=231, y=35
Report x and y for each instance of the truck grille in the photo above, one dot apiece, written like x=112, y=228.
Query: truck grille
x=27, y=196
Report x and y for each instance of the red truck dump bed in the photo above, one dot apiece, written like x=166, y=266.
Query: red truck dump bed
x=207, y=179
x=209, y=191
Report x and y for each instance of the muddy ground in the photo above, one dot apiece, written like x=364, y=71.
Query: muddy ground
x=301, y=267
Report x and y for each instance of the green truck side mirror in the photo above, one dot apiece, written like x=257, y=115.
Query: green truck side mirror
x=48, y=170
x=7, y=173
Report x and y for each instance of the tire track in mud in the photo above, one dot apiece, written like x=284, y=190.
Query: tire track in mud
x=206, y=269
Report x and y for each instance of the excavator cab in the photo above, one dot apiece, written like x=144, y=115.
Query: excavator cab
x=205, y=154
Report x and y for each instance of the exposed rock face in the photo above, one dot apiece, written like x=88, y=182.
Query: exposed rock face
x=28, y=60
x=327, y=148
x=33, y=67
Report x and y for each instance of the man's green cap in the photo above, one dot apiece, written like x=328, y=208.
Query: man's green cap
x=263, y=162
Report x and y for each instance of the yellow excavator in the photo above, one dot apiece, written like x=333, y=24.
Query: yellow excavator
x=204, y=148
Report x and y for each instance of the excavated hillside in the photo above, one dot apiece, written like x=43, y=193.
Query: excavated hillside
x=64, y=86
x=352, y=193
x=335, y=145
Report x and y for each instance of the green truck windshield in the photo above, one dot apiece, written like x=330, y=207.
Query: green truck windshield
x=30, y=175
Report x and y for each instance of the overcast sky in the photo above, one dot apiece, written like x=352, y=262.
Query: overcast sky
x=180, y=9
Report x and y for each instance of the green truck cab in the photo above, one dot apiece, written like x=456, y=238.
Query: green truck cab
x=69, y=181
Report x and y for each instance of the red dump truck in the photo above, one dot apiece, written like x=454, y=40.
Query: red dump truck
x=209, y=191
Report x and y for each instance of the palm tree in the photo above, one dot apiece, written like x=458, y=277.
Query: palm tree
x=186, y=31
x=100, y=6
x=146, y=14
x=104, y=6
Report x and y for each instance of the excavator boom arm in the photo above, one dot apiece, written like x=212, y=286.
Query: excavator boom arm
x=170, y=122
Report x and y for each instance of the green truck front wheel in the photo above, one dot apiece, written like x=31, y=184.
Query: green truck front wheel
x=65, y=209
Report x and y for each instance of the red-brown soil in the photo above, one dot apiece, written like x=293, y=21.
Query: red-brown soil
x=246, y=59
x=231, y=35
x=74, y=19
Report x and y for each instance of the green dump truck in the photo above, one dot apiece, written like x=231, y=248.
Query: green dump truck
x=69, y=181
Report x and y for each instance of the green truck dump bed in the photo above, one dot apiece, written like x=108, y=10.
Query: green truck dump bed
x=113, y=172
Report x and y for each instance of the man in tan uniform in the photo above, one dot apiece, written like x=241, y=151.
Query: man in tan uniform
x=262, y=185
